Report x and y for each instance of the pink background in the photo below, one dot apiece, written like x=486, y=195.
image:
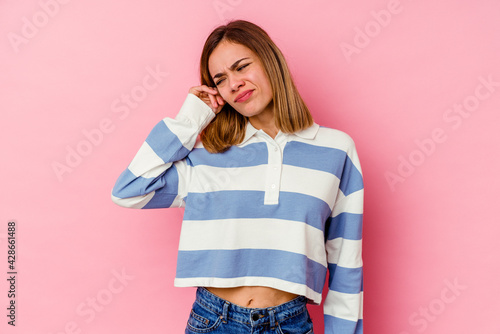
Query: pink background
x=389, y=73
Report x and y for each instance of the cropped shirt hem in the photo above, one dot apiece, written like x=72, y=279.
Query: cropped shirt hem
x=217, y=282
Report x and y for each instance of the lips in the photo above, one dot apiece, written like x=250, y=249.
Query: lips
x=243, y=96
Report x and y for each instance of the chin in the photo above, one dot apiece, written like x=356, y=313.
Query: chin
x=248, y=112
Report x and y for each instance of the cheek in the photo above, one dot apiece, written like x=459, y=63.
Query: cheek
x=224, y=95
x=264, y=81
x=226, y=98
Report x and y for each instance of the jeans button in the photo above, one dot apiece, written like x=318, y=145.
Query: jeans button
x=255, y=317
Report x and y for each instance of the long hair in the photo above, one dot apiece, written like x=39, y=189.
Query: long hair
x=290, y=111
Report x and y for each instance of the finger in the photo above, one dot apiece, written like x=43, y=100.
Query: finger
x=212, y=100
x=219, y=108
x=198, y=90
x=209, y=90
x=220, y=99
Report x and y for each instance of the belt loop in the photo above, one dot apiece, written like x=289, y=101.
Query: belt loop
x=225, y=311
x=272, y=320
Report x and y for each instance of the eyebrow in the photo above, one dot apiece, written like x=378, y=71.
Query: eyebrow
x=231, y=68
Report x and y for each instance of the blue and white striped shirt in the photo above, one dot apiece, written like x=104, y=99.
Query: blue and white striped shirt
x=278, y=212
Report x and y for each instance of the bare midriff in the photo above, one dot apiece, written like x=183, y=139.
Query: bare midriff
x=253, y=296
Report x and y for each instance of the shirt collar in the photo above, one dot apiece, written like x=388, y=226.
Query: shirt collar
x=308, y=133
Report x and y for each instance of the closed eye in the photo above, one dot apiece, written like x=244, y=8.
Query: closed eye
x=238, y=69
x=242, y=67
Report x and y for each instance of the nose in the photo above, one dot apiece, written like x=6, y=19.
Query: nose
x=236, y=83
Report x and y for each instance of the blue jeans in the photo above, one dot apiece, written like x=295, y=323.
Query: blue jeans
x=212, y=314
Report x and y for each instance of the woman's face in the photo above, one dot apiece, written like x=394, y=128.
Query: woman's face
x=240, y=78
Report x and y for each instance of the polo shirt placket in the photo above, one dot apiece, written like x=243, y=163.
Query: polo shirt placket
x=274, y=166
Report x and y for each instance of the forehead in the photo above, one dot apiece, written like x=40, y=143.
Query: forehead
x=225, y=54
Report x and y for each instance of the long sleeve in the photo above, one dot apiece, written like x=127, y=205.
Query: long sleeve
x=158, y=175
x=343, y=307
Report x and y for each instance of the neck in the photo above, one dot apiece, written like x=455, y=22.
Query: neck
x=265, y=121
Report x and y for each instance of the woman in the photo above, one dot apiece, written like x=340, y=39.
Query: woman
x=272, y=200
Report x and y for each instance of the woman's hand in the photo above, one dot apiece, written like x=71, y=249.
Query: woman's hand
x=210, y=96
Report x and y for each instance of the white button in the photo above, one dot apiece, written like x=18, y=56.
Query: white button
x=275, y=148
x=273, y=186
x=275, y=168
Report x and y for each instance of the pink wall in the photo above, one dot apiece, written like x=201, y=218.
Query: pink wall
x=415, y=83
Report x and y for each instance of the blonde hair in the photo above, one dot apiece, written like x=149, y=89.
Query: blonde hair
x=290, y=111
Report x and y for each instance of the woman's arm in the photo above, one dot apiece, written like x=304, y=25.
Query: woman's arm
x=158, y=175
x=343, y=307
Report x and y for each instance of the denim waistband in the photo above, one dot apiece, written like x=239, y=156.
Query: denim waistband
x=251, y=316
